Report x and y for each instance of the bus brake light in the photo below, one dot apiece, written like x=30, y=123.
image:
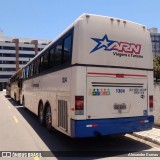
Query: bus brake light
x=119, y=75
x=79, y=105
x=151, y=102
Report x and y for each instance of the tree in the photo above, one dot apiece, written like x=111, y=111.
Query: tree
x=156, y=67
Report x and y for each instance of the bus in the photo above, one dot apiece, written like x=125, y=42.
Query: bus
x=8, y=89
x=16, y=85
x=96, y=78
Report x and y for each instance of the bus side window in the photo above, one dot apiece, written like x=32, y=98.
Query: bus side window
x=45, y=62
x=67, y=50
x=41, y=64
x=34, y=67
x=23, y=73
x=27, y=72
x=37, y=65
x=51, y=57
x=58, y=55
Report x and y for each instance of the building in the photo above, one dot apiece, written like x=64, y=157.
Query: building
x=155, y=37
x=15, y=53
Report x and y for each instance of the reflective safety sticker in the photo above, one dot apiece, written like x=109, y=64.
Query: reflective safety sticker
x=145, y=112
x=99, y=92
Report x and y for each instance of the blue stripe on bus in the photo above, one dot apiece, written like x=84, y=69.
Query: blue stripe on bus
x=83, y=128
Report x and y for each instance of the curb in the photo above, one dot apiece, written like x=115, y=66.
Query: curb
x=146, y=138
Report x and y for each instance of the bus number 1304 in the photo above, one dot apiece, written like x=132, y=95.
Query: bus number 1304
x=120, y=90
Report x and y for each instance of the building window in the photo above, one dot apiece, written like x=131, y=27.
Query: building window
x=8, y=62
x=9, y=69
x=26, y=49
x=40, y=49
x=5, y=76
x=8, y=48
x=27, y=55
x=157, y=38
x=23, y=62
x=8, y=55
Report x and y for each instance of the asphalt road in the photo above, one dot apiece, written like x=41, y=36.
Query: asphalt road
x=21, y=131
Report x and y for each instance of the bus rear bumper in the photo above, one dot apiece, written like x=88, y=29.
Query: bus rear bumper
x=92, y=128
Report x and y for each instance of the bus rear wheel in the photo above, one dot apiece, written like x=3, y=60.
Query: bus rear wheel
x=23, y=102
x=15, y=97
x=48, y=118
x=41, y=114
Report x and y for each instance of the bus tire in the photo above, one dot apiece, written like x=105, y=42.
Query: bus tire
x=23, y=102
x=15, y=97
x=48, y=118
x=41, y=114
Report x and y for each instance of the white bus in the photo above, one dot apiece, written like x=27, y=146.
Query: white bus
x=96, y=78
x=15, y=85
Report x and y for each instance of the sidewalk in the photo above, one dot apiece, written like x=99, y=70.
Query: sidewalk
x=151, y=135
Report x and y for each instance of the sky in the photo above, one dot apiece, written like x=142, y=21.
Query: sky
x=46, y=19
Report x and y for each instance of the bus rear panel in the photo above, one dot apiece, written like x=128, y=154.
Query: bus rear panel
x=113, y=77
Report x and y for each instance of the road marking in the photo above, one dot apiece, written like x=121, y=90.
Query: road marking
x=36, y=158
x=15, y=119
x=6, y=101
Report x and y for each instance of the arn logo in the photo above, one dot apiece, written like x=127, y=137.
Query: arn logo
x=111, y=45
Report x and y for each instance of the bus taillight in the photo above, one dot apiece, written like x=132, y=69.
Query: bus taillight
x=79, y=105
x=151, y=102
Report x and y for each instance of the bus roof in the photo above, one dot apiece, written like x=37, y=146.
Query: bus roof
x=81, y=17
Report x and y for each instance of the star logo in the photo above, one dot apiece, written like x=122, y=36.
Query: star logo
x=102, y=43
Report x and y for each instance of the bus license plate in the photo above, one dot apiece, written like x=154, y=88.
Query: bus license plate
x=120, y=106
